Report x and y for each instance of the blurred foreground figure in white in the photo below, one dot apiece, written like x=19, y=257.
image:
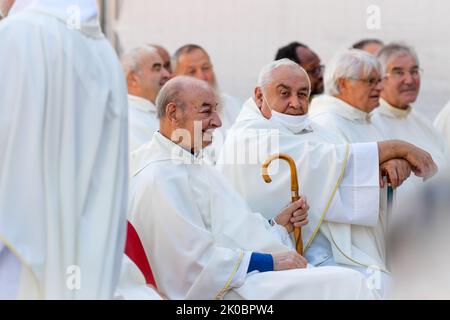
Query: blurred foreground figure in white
x=420, y=238
x=63, y=164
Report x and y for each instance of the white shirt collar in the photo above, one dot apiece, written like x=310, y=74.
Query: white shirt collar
x=330, y=104
x=389, y=110
x=141, y=104
x=161, y=148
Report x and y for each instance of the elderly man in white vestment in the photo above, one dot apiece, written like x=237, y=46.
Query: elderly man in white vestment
x=193, y=61
x=340, y=181
x=145, y=75
x=396, y=118
x=63, y=136
x=353, y=85
x=202, y=239
x=442, y=123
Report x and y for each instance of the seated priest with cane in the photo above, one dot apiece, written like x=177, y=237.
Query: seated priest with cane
x=201, y=238
x=341, y=181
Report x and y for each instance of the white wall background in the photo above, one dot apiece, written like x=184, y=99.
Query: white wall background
x=243, y=35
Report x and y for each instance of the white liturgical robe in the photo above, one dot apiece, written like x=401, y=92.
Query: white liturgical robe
x=142, y=120
x=197, y=231
x=442, y=123
x=230, y=110
x=354, y=126
x=340, y=182
x=63, y=159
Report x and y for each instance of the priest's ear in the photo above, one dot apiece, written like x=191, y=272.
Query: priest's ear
x=342, y=85
x=258, y=97
x=174, y=114
x=132, y=80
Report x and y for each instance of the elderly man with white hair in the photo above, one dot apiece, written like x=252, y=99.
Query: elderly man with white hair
x=397, y=119
x=63, y=159
x=353, y=86
x=145, y=74
x=340, y=181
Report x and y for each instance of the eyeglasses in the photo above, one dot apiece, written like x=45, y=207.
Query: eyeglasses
x=401, y=73
x=372, y=82
x=317, y=71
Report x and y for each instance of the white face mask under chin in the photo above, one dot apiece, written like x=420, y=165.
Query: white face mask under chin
x=296, y=124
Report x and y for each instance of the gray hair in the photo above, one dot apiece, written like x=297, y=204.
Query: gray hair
x=394, y=50
x=350, y=64
x=173, y=92
x=131, y=59
x=266, y=74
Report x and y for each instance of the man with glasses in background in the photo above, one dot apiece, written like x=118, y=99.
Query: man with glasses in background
x=396, y=118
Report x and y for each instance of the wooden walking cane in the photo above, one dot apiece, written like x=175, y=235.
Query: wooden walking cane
x=294, y=190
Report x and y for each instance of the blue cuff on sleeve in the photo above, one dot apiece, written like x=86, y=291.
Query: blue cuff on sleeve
x=260, y=262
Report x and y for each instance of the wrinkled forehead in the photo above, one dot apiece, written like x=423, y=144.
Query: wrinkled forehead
x=292, y=78
x=194, y=57
x=151, y=57
x=200, y=94
x=163, y=53
x=402, y=59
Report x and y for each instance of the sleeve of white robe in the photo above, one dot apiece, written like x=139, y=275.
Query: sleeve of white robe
x=184, y=257
x=357, y=199
x=277, y=230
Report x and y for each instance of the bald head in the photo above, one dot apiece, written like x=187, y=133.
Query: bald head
x=179, y=90
x=144, y=71
x=187, y=108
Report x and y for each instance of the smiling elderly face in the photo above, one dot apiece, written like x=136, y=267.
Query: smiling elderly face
x=5, y=6
x=402, y=83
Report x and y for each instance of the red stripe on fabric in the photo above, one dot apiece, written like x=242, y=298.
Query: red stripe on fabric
x=135, y=251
